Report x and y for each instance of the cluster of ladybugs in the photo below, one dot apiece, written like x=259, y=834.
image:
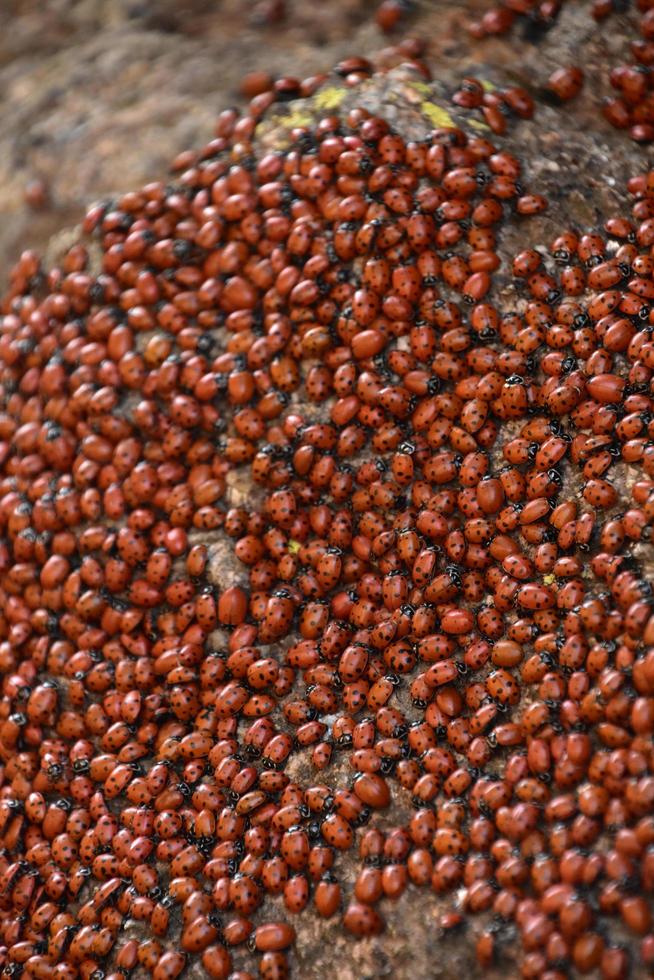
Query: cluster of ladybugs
x=537, y=17
x=632, y=108
x=440, y=588
x=497, y=107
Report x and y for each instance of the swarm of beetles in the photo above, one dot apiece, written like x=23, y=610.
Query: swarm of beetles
x=632, y=107
x=441, y=589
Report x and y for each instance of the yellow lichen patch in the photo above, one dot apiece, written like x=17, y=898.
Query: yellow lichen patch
x=293, y=547
x=273, y=131
x=421, y=87
x=294, y=119
x=436, y=115
x=329, y=98
x=549, y=579
x=486, y=85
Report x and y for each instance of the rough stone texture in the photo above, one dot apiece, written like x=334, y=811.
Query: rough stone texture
x=98, y=95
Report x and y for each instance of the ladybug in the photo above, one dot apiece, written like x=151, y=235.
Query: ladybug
x=362, y=920
x=502, y=686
